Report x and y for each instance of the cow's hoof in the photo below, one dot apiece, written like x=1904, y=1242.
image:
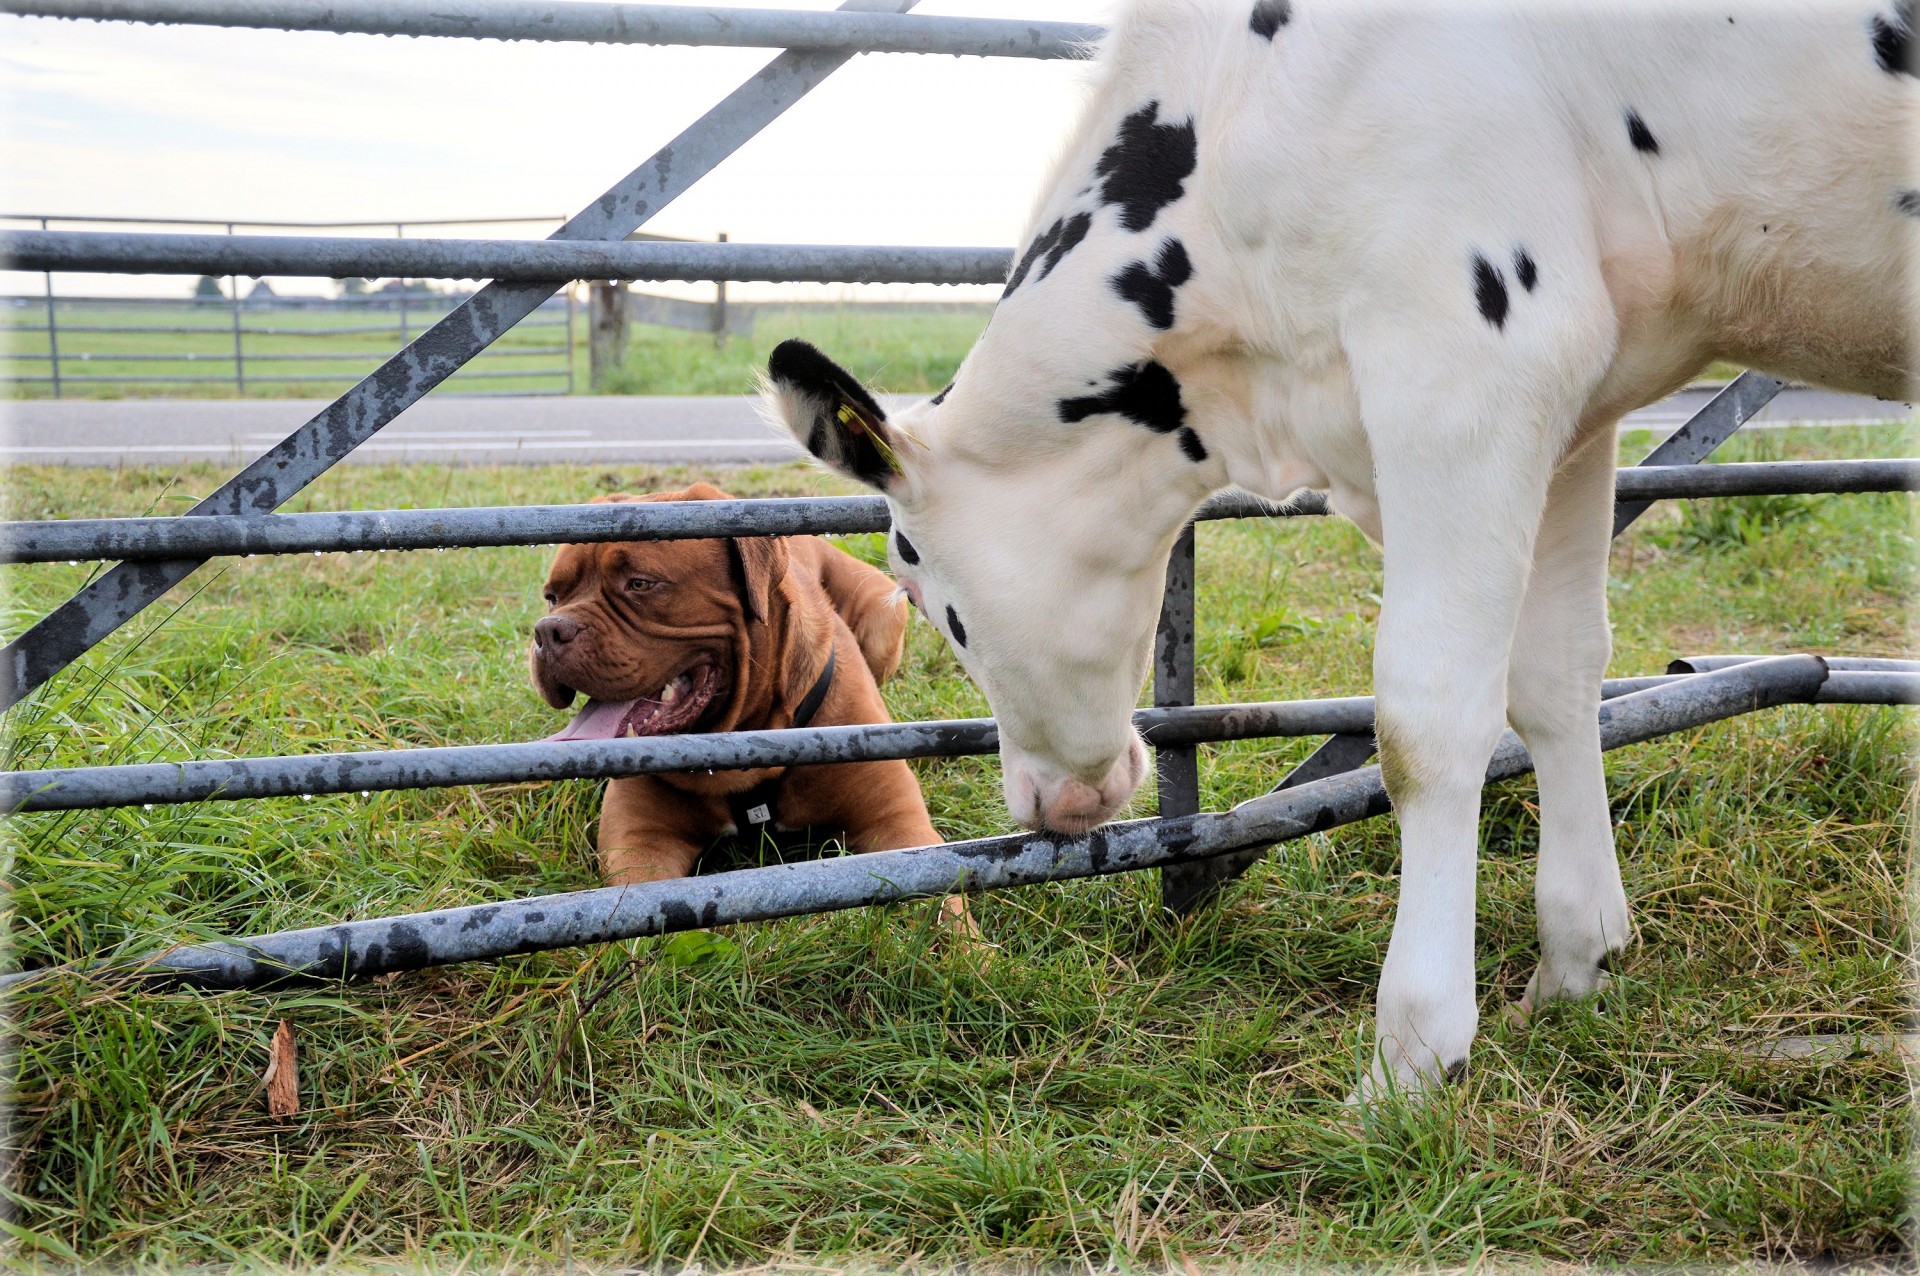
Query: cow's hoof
x=1375, y=1088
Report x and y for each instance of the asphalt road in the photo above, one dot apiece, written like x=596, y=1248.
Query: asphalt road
x=592, y=430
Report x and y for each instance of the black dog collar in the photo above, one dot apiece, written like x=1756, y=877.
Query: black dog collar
x=816, y=696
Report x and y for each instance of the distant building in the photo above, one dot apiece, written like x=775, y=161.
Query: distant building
x=261, y=294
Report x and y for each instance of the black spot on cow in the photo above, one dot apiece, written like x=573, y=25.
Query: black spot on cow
x=1151, y=287
x=1146, y=166
x=954, y=627
x=1053, y=243
x=941, y=397
x=1489, y=292
x=1907, y=202
x=1269, y=16
x=1190, y=444
x=1144, y=393
x=1456, y=1071
x=908, y=554
x=1640, y=135
x=1892, y=36
x=1524, y=270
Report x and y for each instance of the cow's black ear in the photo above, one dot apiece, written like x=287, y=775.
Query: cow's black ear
x=831, y=414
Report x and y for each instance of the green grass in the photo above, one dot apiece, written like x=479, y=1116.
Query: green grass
x=898, y=354
x=901, y=353
x=514, y=363
x=1114, y=1088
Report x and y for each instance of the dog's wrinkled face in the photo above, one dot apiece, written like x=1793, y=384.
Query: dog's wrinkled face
x=653, y=633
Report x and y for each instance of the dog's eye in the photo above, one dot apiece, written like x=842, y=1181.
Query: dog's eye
x=553, y=599
x=640, y=584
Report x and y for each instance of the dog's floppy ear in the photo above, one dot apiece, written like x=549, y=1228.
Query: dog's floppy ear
x=763, y=564
x=760, y=560
x=831, y=414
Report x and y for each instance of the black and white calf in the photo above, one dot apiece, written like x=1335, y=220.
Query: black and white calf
x=1424, y=261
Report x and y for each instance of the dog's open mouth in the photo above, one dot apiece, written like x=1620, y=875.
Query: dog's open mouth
x=674, y=707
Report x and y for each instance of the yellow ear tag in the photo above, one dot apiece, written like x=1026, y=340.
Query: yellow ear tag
x=856, y=422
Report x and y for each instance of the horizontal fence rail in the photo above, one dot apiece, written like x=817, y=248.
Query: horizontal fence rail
x=239, y=779
x=362, y=949
x=505, y=260
x=58, y=540
x=578, y=22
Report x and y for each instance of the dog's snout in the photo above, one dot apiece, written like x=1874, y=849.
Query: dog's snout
x=555, y=631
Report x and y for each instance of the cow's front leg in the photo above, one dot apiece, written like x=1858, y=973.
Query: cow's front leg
x=1458, y=535
x=1553, y=696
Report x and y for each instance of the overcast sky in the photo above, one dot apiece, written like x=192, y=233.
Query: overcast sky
x=117, y=119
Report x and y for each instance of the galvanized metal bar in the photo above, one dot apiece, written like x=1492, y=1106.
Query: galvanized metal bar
x=207, y=536
x=121, y=592
x=1637, y=485
x=1836, y=664
x=1192, y=886
x=570, y=352
x=53, y=329
x=484, y=932
x=329, y=356
x=1704, y=431
x=239, y=779
x=502, y=260
x=1176, y=767
x=43, y=219
x=600, y=23
x=239, y=358
x=211, y=536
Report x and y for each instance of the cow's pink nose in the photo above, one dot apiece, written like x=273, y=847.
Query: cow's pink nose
x=1074, y=804
x=1066, y=803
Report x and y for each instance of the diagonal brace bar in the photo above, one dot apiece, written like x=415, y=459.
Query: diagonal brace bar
x=125, y=589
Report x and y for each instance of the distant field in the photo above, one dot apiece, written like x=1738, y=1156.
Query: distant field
x=896, y=353
x=891, y=352
x=331, y=349
x=287, y=353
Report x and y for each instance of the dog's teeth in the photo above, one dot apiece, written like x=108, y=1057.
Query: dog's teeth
x=670, y=693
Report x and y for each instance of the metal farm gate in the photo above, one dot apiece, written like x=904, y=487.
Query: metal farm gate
x=1195, y=851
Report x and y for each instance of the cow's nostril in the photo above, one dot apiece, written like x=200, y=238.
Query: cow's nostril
x=555, y=631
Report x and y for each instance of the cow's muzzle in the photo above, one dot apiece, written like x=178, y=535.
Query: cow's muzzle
x=1046, y=798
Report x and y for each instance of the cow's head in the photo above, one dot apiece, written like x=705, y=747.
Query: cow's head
x=1031, y=528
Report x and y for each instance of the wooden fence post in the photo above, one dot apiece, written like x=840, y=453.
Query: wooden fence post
x=606, y=330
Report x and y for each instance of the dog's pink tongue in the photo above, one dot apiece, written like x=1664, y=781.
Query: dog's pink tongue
x=600, y=720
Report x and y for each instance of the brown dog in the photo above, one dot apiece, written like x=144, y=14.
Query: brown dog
x=728, y=635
